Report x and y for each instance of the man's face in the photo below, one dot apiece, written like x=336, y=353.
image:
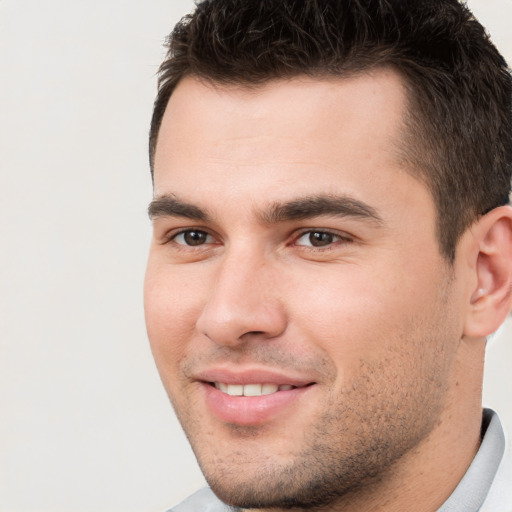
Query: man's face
x=294, y=259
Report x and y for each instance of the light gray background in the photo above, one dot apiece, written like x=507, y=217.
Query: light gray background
x=84, y=422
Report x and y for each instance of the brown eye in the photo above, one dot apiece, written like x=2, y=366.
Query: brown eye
x=317, y=239
x=192, y=238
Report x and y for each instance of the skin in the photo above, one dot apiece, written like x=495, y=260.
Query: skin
x=374, y=318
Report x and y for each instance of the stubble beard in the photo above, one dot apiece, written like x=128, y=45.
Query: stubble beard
x=345, y=454
x=352, y=449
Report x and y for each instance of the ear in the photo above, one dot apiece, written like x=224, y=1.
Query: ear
x=491, y=299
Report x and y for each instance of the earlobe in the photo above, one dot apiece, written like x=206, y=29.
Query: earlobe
x=491, y=299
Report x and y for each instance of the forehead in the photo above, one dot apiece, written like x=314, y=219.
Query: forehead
x=284, y=138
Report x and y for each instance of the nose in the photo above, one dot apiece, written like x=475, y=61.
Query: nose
x=243, y=302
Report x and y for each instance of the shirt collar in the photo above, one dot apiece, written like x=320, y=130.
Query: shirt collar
x=472, y=490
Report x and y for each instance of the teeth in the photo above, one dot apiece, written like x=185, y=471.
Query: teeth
x=251, y=389
x=268, y=389
x=223, y=387
x=235, y=389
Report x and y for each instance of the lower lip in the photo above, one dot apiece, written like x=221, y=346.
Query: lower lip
x=250, y=410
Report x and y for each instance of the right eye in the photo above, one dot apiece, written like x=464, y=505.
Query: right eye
x=193, y=238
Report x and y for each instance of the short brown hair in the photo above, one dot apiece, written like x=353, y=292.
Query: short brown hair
x=459, y=139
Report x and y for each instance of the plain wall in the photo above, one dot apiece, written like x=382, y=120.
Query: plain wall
x=84, y=422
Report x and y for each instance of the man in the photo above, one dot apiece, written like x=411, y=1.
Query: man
x=332, y=246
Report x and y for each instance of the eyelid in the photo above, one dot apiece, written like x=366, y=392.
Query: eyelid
x=171, y=235
x=340, y=237
x=178, y=236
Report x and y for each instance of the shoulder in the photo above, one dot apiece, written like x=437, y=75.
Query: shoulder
x=202, y=501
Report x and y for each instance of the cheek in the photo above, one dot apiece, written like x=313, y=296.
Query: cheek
x=342, y=302
x=358, y=314
x=172, y=304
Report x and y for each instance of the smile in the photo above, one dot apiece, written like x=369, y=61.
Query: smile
x=251, y=389
x=253, y=403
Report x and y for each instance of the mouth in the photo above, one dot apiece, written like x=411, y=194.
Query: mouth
x=251, y=402
x=252, y=389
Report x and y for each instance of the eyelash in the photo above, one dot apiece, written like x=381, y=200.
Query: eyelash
x=337, y=238
x=171, y=237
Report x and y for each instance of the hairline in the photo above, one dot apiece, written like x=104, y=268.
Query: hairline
x=410, y=150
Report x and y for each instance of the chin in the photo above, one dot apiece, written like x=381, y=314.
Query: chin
x=307, y=483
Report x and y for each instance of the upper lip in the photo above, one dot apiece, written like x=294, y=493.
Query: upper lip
x=250, y=376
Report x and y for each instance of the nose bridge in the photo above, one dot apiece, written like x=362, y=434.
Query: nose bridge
x=243, y=300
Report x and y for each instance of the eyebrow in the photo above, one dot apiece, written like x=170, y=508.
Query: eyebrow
x=297, y=209
x=171, y=206
x=321, y=205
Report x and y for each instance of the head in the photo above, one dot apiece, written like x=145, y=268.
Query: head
x=330, y=247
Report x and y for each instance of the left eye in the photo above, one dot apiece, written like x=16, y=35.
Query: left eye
x=317, y=239
x=193, y=237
